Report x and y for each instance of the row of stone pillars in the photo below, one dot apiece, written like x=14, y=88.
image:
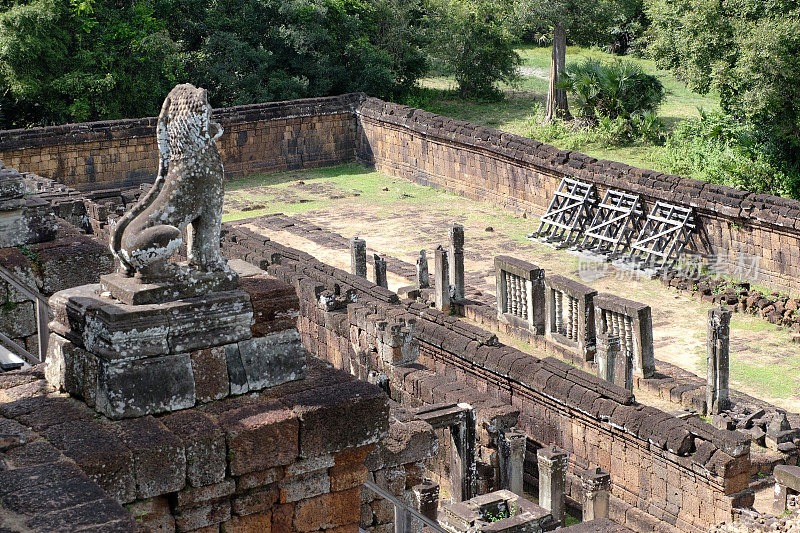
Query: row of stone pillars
x=596, y=485
x=448, y=273
x=448, y=268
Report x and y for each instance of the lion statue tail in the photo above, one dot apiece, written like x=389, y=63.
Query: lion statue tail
x=118, y=230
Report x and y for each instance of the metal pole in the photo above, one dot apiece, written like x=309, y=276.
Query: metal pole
x=42, y=318
x=402, y=520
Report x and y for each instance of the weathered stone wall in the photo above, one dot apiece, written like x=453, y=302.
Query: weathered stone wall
x=482, y=163
x=258, y=138
x=70, y=260
x=665, y=472
x=521, y=174
x=289, y=460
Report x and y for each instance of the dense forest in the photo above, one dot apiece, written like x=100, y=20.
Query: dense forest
x=79, y=60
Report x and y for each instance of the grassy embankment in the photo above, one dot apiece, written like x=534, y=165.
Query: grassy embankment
x=521, y=111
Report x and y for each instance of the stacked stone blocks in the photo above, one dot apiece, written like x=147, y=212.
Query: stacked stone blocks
x=521, y=174
x=292, y=460
x=661, y=467
x=122, y=153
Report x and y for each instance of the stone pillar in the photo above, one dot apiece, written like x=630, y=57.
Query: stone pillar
x=441, y=279
x=718, y=360
x=623, y=368
x=607, y=354
x=787, y=481
x=596, y=485
x=456, y=267
x=358, y=257
x=423, y=280
x=462, y=462
x=511, y=455
x=552, y=481
x=380, y=271
x=426, y=499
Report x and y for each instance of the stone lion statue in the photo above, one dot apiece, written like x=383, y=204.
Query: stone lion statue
x=187, y=194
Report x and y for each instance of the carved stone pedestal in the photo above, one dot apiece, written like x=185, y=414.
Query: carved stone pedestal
x=133, y=360
x=186, y=283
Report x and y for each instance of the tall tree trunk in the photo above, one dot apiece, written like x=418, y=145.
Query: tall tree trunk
x=557, y=98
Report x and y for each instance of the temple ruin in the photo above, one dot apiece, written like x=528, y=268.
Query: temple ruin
x=206, y=376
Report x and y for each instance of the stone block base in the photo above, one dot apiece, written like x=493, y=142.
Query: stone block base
x=114, y=330
x=133, y=360
x=187, y=283
x=157, y=384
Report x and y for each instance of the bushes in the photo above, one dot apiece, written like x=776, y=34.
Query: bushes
x=473, y=41
x=617, y=99
x=101, y=59
x=612, y=90
x=717, y=148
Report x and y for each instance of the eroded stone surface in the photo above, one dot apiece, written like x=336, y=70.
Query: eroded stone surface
x=188, y=193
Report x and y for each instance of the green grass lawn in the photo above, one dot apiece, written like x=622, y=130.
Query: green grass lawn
x=521, y=111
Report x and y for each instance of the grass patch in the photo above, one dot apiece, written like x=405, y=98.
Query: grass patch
x=521, y=111
x=770, y=364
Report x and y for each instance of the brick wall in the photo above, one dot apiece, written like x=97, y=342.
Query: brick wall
x=258, y=138
x=667, y=473
x=521, y=174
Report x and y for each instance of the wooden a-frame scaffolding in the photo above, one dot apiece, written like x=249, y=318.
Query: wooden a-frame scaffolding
x=568, y=213
x=614, y=224
x=665, y=234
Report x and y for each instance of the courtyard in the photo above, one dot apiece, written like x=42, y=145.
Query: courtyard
x=398, y=218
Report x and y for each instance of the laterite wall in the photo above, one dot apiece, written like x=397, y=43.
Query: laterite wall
x=667, y=474
x=521, y=174
x=481, y=163
x=258, y=138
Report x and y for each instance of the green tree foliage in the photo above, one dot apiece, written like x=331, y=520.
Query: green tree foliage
x=474, y=41
x=64, y=61
x=87, y=59
x=748, y=51
x=617, y=89
x=585, y=23
x=575, y=21
x=717, y=148
x=260, y=50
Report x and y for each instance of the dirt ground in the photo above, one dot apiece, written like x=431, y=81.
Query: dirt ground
x=398, y=218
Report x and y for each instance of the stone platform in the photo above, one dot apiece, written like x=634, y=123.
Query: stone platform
x=187, y=283
x=290, y=459
x=132, y=360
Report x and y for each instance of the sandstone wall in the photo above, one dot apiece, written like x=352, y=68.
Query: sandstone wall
x=521, y=174
x=667, y=474
x=70, y=260
x=120, y=153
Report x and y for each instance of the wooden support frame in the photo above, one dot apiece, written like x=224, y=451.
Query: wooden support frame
x=665, y=234
x=568, y=213
x=614, y=224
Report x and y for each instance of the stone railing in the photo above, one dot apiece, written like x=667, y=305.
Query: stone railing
x=570, y=314
x=520, y=292
x=632, y=323
x=663, y=469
